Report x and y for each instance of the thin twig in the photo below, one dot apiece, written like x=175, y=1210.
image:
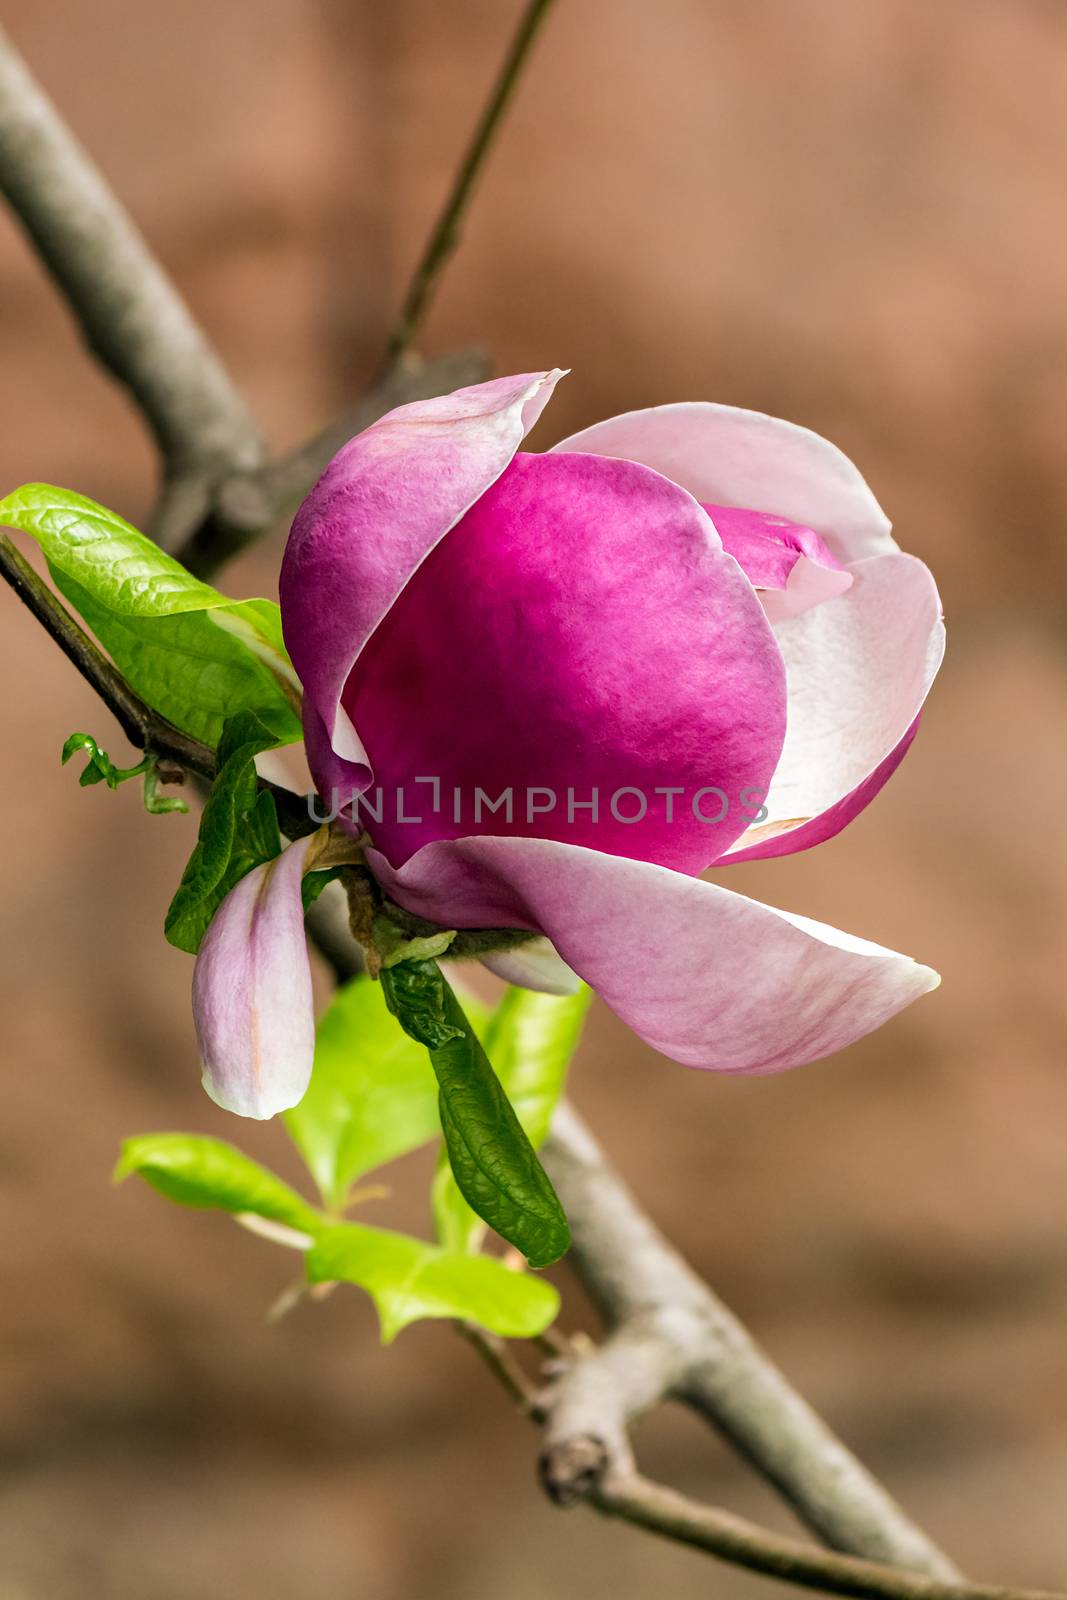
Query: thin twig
x=132, y=316
x=498, y=1357
x=445, y=233
x=585, y=1470
x=663, y=1511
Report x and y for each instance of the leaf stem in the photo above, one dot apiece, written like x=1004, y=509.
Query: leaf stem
x=496, y=1354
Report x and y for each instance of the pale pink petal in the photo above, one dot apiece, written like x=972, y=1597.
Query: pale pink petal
x=252, y=1001
x=534, y=965
x=579, y=636
x=372, y=518
x=858, y=670
x=731, y=457
x=707, y=977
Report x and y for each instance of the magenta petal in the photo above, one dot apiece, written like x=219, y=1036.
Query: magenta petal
x=252, y=1001
x=729, y=457
x=790, y=565
x=375, y=514
x=858, y=670
x=579, y=630
x=706, y=976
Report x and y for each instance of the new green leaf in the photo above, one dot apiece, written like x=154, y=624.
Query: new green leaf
x=495, y=1166
x=196, y=1171
x=530, y=1041
x=409, y=1280
x=238, y=830
x=101, y=768
x=191, y=653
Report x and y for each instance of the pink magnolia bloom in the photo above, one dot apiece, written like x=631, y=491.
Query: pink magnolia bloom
x=684, y=612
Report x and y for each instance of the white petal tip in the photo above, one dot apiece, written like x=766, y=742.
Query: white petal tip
x=257, y=1110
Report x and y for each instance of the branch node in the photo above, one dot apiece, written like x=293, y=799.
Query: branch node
x=573, y=1469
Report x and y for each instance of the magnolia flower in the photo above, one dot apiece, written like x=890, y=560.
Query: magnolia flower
x=556, y=688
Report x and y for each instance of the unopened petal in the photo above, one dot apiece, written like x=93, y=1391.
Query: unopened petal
x=252, y=1001
x=732, y=457
x=790, y=566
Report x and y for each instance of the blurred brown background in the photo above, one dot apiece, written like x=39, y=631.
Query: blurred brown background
x=848, y=214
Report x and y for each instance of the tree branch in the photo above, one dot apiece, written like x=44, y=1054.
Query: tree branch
x=444, y=236
x=132, y=316
x=246, y=504
x=218, y=492
x=672, y=1337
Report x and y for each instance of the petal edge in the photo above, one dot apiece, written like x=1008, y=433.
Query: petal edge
x=734, y=457
x=705, y=976
x=385, y=500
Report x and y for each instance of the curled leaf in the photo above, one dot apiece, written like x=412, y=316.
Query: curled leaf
x=100, y=768
x=495, y=1166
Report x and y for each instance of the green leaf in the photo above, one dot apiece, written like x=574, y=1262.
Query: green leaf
x=196, y=1171
x=313, y=883
x=417, y=995
x=372, y=1096
x=457, y=1225
x=530, y=1041
x=238, y=830
x=408, y=1280
x=192, y=653
x=493, y=1161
